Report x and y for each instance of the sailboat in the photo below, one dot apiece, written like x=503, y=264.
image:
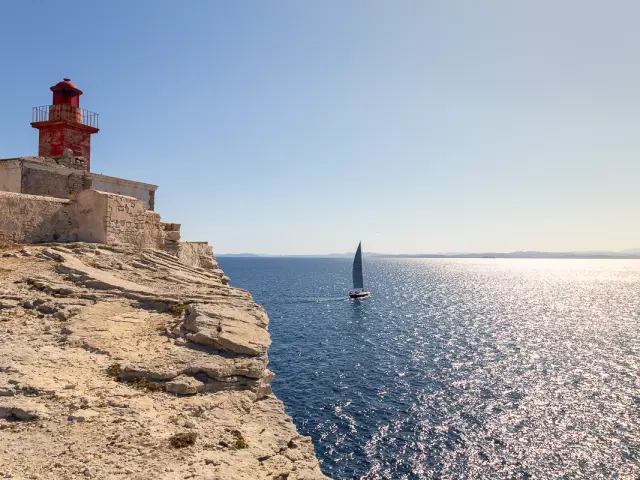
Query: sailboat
x=358, y=280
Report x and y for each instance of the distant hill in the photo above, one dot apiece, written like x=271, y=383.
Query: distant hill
x=632, y=251
x=328, y=255
x=629, y=254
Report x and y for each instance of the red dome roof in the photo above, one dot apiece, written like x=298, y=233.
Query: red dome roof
x=66, y=84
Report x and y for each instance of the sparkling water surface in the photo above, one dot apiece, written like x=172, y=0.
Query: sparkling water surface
x=474, y=368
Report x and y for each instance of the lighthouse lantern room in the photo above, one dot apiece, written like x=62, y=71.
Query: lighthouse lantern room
x=65, y=128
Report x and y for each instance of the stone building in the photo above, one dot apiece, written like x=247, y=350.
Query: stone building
x=55, y=197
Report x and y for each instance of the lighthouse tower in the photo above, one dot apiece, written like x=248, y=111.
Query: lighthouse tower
x=65, y=128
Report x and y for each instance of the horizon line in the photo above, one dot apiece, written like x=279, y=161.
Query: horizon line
x=630, y=252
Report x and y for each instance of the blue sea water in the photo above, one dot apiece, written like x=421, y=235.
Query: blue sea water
x=474, y=368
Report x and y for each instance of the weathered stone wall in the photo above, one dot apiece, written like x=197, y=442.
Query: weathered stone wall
x=171, y=237
x=35, y=219
x=117, y=220
x=152, y=233
x=92, y=216
x=51, y=181
x=128, y=222
x=10, y=176
x=142, y=228
x=65, y=176
x=120, y=186
x=90, y=208
x=53, y=177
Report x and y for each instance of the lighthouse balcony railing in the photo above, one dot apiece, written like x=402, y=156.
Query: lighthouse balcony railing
x=47, y=113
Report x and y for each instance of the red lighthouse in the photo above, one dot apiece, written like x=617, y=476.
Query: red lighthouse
x=64, y=126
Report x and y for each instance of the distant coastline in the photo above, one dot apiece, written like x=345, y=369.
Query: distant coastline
x=626, y=254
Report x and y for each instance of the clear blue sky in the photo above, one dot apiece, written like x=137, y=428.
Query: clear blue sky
x=306, y=126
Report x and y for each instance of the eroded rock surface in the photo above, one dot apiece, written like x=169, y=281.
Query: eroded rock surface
x=110, y=358
x=228, y=328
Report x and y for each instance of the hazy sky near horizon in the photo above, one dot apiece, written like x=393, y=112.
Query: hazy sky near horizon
x=305, y=126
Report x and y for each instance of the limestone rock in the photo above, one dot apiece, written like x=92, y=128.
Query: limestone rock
x=172, y=236
x=47, y=308
x=85, y=415
x=21, y=408
x=184, y=385
x=109, y=377
x=7, y=391
x=8, y=304
x=228, y=328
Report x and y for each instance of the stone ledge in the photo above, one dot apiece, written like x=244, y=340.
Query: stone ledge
x=36, y=198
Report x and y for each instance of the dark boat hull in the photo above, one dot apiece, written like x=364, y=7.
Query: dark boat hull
x=359, y=294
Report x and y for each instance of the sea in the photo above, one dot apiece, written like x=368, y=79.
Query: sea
x=457, y=368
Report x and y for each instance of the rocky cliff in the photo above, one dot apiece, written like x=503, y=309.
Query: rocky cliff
x=121, y=363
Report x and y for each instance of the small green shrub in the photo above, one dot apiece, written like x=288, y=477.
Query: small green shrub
x=240, y=443
x=177, y=308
